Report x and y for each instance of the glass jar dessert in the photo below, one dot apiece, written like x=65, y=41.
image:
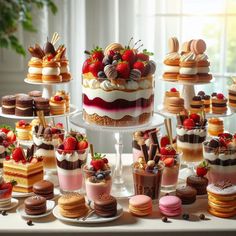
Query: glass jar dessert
x=220, y=153
x=70, y=156
x=97, y=177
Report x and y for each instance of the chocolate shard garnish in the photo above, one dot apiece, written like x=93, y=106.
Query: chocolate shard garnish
x=49, y=48
x=157, y=158
x=145, y=152
x=224, y=184
x=153, y=136
x=153, y=151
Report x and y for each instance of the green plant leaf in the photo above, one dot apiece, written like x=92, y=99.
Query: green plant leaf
x=4, y=43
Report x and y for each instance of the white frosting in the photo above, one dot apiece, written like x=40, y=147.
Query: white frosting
x=145, y=84
x=93, y=84
x=40, y=140
x=51, y=71
x=116, y=94
x=35, y=70
x=2, y=149
x=188, y=70
x=202, y=57
x=85, y=82
x=23, y=108
x=8, y=106
x=22, y=130
x=199, y=132
x=64, y=69
x=132, y=85
x=116, y=115
x=214, y=189
x=107, y=85
x=172, y=56
x=120, y=86
x=188, y=57
x=171, y=69
x=44, y=153
x=203, y=69
x=211, y=156
x=71, y=157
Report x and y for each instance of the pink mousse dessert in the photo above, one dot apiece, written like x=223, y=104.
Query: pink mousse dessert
x=71, y=155
x=220, y=153
x=97, y=176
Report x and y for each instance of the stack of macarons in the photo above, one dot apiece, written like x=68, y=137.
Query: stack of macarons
x=170, y=206
x=187, y=194
x=72, y=205
x=105, y=206
x=35, y=205
x=171, y=62
x=140, y=205
x=44, y=188
x=222, y=200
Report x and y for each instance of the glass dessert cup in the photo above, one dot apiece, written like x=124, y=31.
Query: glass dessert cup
x=189, y=142
x=221, y=161
x=96, y=182
x=170, y=173
x=69, y=169
x=147, y=182
x=45, y=147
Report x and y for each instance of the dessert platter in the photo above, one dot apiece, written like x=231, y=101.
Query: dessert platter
x=60, y=179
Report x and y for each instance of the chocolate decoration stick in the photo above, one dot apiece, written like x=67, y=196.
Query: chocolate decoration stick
x=145, y=152
x=40, y=118
x=152, y=152
x=91, y=150
x=153, y=136
x=170, y=131
x=157, y=158
x=167, y=128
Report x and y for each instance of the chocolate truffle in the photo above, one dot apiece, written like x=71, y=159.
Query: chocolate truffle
x=44, y=188
x=35, y=205
x=187, y=194
x=24, y=106
x=8, y=104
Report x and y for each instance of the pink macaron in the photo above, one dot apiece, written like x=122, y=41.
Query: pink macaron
x=170, y=206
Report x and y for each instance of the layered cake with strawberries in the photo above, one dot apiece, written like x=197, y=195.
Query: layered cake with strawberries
x=23, y=130
x=24, y=168
x=191, y=133
x=220, y=153
x=118, y=86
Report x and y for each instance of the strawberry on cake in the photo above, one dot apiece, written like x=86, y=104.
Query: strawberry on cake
x=118, y=86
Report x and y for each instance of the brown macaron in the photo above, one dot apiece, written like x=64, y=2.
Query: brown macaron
x=105, y=206
x=187, y=194
x=35, y=205
x=44, y=188
x=199, y=183
x=8, y=104
x=24, y=106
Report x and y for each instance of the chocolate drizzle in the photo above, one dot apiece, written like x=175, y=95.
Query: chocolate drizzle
x=224, y=184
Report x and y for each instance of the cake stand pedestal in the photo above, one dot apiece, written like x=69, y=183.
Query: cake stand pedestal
x=120, y=189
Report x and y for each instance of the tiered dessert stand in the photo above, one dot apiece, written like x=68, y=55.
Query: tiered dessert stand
x=48, y=90
x=120, y=188
x=187, y=93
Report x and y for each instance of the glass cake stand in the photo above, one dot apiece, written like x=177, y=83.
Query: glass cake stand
x=119, y=188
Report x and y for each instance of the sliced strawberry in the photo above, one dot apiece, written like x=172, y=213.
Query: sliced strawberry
x=18, y=154
x=167, y=150
x=34, y=160
x=164, y=141
x=11, y=137
x=70, y=143
x=169, y=161
x=82, y=145
x=4, y=130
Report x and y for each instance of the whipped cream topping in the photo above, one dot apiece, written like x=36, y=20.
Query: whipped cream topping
x=172, y=56
x=145, y=84
x=51, y=71
x=132, y=85
x=188, y=57
x=202, y=57
x=203, y=69
x=40, y=140
x=188, y=70
x=212, y=156
x=71, y=157
x=94, y=84
x=44, y=153
x=107, y=85
x=199, y=132
x=35, y=70
x=36, y=60
x=217, y=190
x=171, y=69
x=64, y=69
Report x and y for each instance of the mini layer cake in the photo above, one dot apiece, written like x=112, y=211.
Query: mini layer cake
x=191, y=133
x=173, y=103
x=171, y=62
x=35, y=64
x=24, y=169
x=188, y=68
x=198, y=47
x=215, y=126
x=219, y=103
x=66, y=97
x=220, y=153
x=57, y=105
x=232, y=96
x=42, y=104
x=196, y=105
x=221, y=199
x=24, y=106
x=118, y=86
x=9, y=104
x=23, y=130
x=206, y=100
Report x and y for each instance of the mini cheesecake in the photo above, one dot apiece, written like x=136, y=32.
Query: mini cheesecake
x=219, y=103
